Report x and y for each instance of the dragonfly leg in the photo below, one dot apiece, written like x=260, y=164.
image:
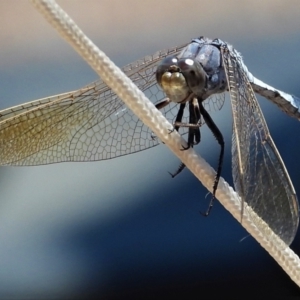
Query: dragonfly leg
x=159, y=106
x=219, y=137
x=180, y=168
x=163, y=103
x=176, y=127
x=179, y=116
x=194, y=136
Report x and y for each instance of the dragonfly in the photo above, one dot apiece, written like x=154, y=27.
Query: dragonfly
x=93, y=123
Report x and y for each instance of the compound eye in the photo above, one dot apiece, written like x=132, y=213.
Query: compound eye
x=194, y=74
x=167, y=64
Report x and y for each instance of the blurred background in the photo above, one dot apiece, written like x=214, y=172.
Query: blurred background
x=123, y=227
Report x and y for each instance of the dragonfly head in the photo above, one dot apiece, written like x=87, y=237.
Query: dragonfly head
x=179, y=78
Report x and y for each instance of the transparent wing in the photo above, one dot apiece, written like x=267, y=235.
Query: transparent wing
x=259, y=174
x=85, y=125
x=214, y=102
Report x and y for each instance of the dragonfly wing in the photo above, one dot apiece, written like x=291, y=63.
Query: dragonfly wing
x=214, y=102
x=259, y=174
x=85, y=125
